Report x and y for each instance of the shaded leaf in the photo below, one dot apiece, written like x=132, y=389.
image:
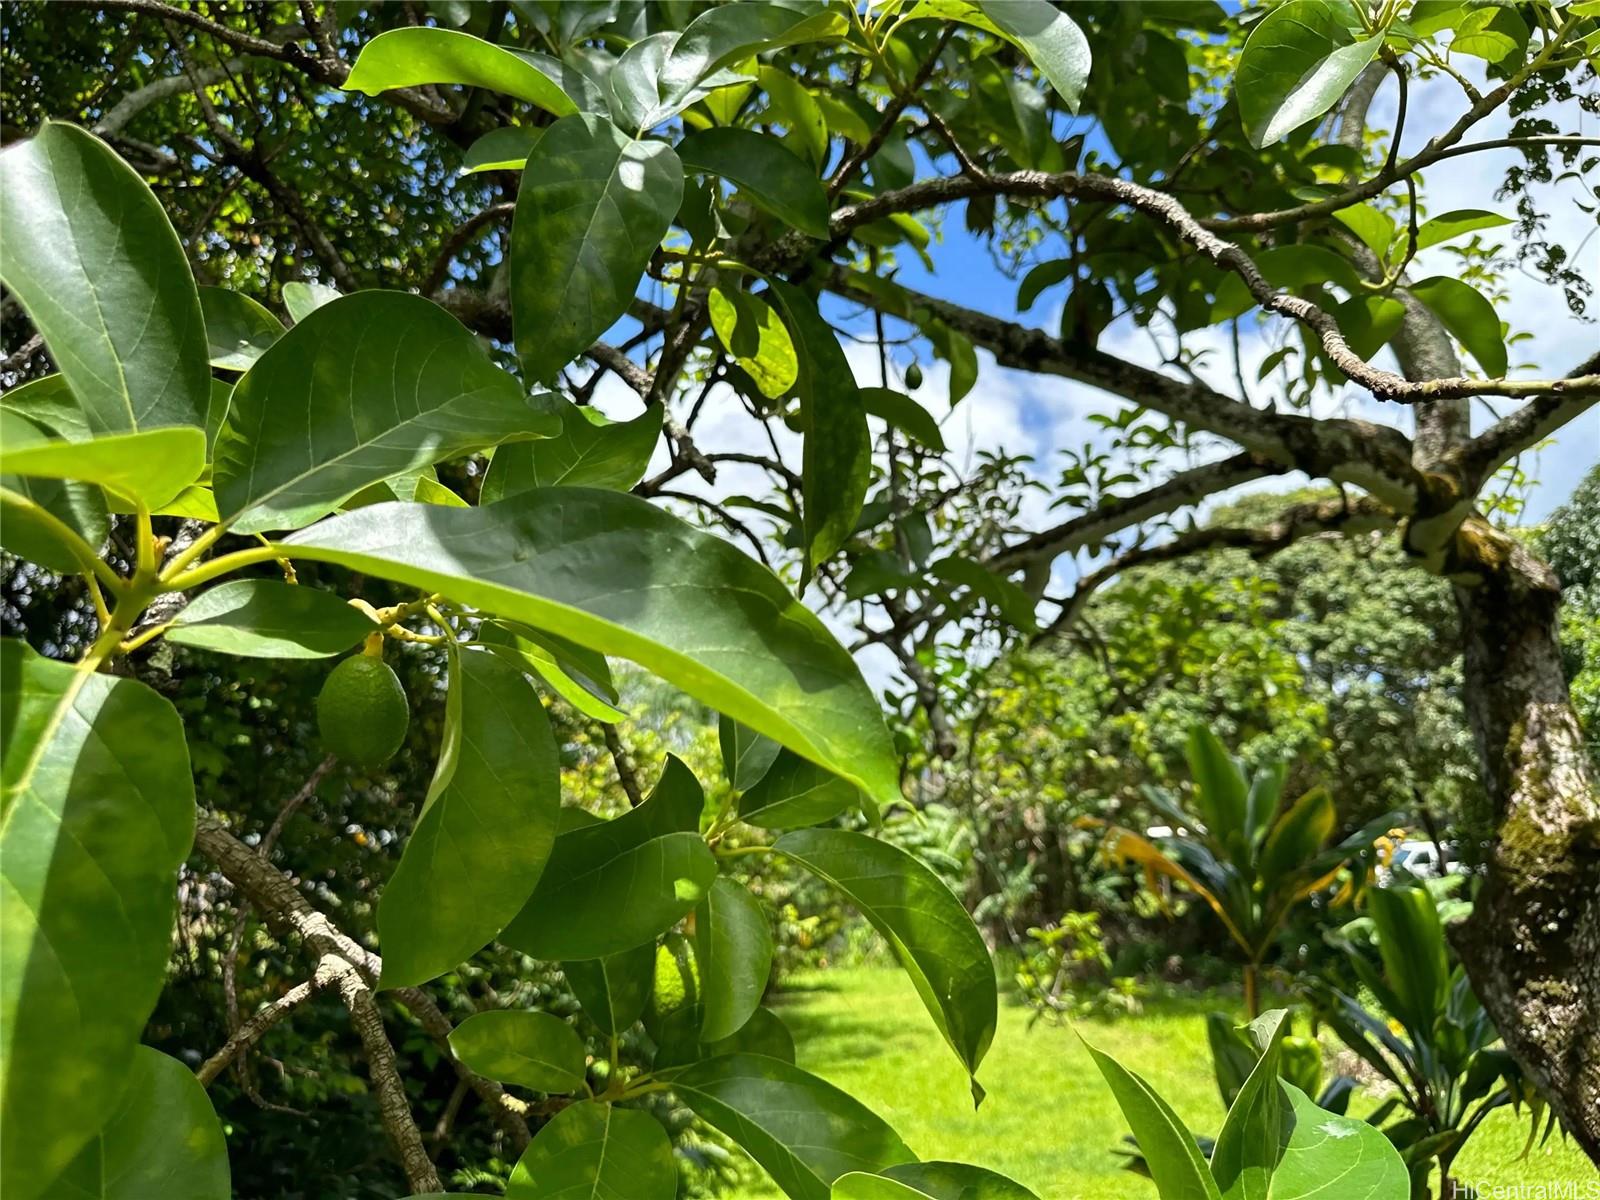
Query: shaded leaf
x=590, y=451
x=1464, y=311
x=238, y=330
x=905, y=414
x=596, y=1150
x=794, y=792
x=613, y=990
x=1169, y=1149
x=958, y=1181
x=533, y=1049
x=504, y=149
x=765, y=170
x=746, y=755
x=733, y=942
x=267, y=618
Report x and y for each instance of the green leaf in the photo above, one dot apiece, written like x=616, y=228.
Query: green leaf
x=609, y=571
x=636, y=83
x=238, y=330
x=404, y=58
x=1323, y=1147
x=96, y=817
x=794, y=792
x=837, y=453
x=765, y=170
x=80, y=506
x=1411, y=942
x=613, y=990
x=593, y=206
x=859, y=1185
x=793, y=107
x=163, y=1139
x=733, y=943
x=387, y=382
x=923, y=922
x=1447, y=226
x=1297, y=63
x=1169, y=1149
x=501, y=149
x=958, y=1181
x=804, y=1132
x=1050, y=38
x=303, y=299
x=1297, y=835
x=905, y=414
x=1010, y=600
x=96, y=264
x=734, y=32
x=596, y=1151
x=1045, y=275
x=533, y=1049
x=746, y=755
x=1248, y=1148
x=1221, y=792
x=764, y=1033
x=486, y=828
x=267, y=618
x=590, y=451
x=49, y=403
x=147, y=468
x=1374, y=228
x=756, y=338
x=1464, y=311
x=573, y=914
x=1293, y=267
x=1494, y=33
x=579, y=676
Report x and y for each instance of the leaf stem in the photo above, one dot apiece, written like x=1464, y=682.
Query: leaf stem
x=89, y=562
x=220, y=566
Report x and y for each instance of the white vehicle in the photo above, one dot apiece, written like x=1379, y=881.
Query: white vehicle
x=1421, y=861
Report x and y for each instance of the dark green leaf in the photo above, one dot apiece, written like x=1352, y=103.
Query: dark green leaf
x=794, y=792
x=1248, y=1148
x=267, y=618
x=746, y=755
x=96, y=264
x=733, y=32
x=1411, y=942
x=1045, y=275
x=596, y=1151
x=404, y=58
x=1010, y=600
x=764, y=1033
x=98, y=813
x=615, y=989
x=733, y=943
x=387, y=382
x=486, y=827
x=1293, y=267
x=1462, y=309
x=923, y=922
x=592, y=208
x=1221, y=792
x=765, y=170
x=1296, y=64
x=590, y=451
x=533, y=1049
x=579, y=676
x=238, y=330
x=1447, y=226
x=905, y=414
x=958, y=1181
x=79, y=506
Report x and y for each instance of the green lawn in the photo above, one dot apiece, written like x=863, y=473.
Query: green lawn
x=1049, y=1121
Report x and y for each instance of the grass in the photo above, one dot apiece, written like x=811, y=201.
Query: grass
x=1049, y=1121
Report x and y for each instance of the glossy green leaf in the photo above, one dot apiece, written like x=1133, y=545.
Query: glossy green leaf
x=1374, y=228
x=923, y=922
x=734, y=32
x=804, y=1132
x=794, y=792
x=746, y=755
x=1170, y=1151
x=1050, y=38
x=1221, y=792
x=49, y=404
x=238, y=330
x=636, y=83
x=958, y=1181
x=163, y=1140
x=764, y=1033
x=613, y=990
x=1322, y=1147
x=596, y=1151
x=485, y=830
x=267, y=618
x=590, y=451
x=754, y=336
x=579, y=676
x=837, y=454
x=302, y=298
x=609, y=571
x=1248, y=1148
x=1447, y=226
x=387, y=382
x=403, y=58
x=1297, y=63
x=765, y=170
x=860, y=1185
x=733, y=941
x=96, y=264
x=98, y=813
x=1010, y=600
x=1411, y=943
x=147, y=468
x=533, y=1049
x=593, y=206
x=1464, y=311
x=905, y=414
x=501, y=149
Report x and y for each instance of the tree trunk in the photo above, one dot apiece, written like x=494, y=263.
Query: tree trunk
x=1532, y=943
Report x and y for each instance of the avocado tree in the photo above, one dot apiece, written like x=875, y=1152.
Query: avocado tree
x=684, y=199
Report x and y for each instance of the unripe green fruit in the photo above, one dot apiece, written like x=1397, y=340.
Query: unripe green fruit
x=913, y=377
x=362, y=711
x=677, y=978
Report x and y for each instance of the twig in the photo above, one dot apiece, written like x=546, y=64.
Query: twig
x=624, y=764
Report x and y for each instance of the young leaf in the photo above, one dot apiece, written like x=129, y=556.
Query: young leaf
x=1248, y=1148
x=590, y=451
x=501, y=149
x=1050, y=38
x=924, y=924
x=238, y=330
x=486, y=828
x=746, y=755
x=804, y=1132
x=403, y=58
x=794, y=792
x=837, y=454
x=1221, y=792
x=1462, y=309
x=592, y=208
x=267, y=618
x=1411, y=942
x=733, y=942
x=613, y=990
x=533, y=1049
x=81, y=507
x=752, y=333
x=387, y=382
x=905, y=414
x=595, y=1150
x=96, y=264
x=163, y=1139
x=765, y=170
x=98, y=813
x=611, y=572
x=1169, y=1149
x=1296, y=64
x=580, y=677
x=958, y=1181
x=147, y=468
